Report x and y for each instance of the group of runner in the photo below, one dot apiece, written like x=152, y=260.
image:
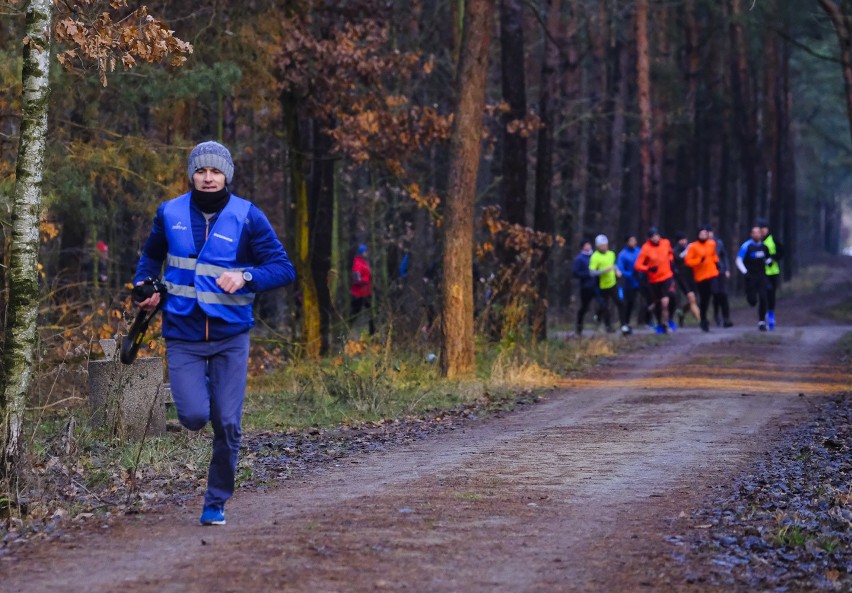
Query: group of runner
x=660, y=272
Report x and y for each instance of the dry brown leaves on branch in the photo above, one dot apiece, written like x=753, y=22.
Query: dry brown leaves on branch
x=524, y=240
x=526, y=126
x=110, y=37
x=515, y=256
x=348, y=76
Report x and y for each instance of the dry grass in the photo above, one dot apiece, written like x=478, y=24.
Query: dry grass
x=521, y=374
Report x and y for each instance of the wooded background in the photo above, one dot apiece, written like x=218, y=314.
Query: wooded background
x=601, y=116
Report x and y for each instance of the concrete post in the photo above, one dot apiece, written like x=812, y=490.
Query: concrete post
x=127, y=398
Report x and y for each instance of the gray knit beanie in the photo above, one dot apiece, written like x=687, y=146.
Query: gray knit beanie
x=211, y=154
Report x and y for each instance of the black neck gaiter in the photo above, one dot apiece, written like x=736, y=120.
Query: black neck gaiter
x=210, y=202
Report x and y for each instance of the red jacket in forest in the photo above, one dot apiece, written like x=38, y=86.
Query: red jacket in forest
x=655, y=261
x=362, y=285
x=702, y=258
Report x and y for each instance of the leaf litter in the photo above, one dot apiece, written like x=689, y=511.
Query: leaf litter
x=786, y=524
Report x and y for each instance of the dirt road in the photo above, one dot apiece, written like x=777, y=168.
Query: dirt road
x=574, y=494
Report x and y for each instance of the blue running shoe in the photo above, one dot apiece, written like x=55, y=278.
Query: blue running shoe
x=661, y=329
x=770, y=320
x=212, y=516
x=672, y=325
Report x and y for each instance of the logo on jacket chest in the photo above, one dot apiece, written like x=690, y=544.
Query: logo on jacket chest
x=179, y=226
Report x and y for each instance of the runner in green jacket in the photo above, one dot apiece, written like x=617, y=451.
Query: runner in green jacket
x=773, y=271
x=602, y=265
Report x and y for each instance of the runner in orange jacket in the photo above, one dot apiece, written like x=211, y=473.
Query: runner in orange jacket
x=655, y=260
x=701, y=257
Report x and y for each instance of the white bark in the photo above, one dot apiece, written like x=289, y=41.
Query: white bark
x=23, y=273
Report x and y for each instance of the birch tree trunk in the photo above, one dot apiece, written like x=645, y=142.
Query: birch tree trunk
x=457, y=340
x=20, y=334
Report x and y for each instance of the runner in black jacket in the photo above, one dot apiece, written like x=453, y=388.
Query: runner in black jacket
x=752, y=259
x=587, y=281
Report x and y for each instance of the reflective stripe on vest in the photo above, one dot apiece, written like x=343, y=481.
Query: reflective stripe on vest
x=192, y=280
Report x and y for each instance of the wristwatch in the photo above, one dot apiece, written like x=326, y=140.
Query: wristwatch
x=247, y=277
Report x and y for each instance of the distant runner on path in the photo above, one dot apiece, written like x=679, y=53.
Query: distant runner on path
x=751, y=261
x=630, y=283
x=684, y=280
x=721, y=305
x=701, y=257
x=655, y=260
x=587, y=283
x=602, y=266
x=773, y=271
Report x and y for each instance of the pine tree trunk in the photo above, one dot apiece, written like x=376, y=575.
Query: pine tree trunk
x=769, y=205
x=663, y=148
x=729, y=172
x=321, y=224
x=20, y=332
x=787, y=168
x=311, y=326
x=457, y=347
x=613, y=196
x=544, y=162
x=597, y=93
x=744, y=108
x=694, y=147
x=569, y=139
x=643, y=89
x=514, y=166
x=843, y=27
x=713, y=125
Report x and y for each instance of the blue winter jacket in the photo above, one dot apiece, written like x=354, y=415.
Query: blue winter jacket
x=626, y=262
x=581, y=271
x=258, y=244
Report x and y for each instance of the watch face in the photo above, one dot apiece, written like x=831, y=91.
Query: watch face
x=247, y=276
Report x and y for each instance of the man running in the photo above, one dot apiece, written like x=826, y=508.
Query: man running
x=602, y=266
x=655, y=260
x=701, y=257
x=721, y=306
x=586, y=281
x=773, y=271
x=630, y=283
x=684, y=280
x=751, y=261
x=219, y=250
